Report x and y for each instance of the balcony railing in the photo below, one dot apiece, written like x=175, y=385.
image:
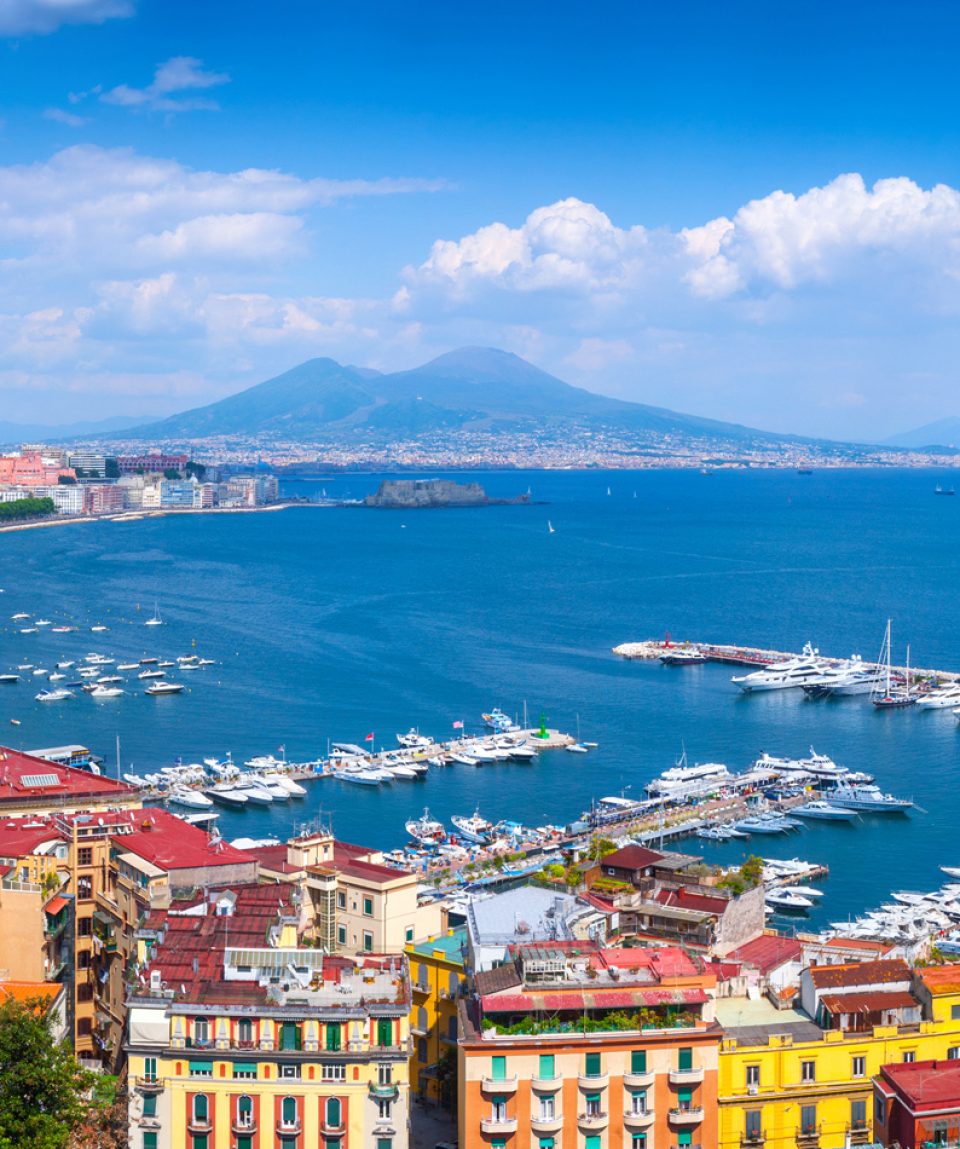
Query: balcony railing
x=546, y=1084
x=387, y=1091
x=638, y=1080
x=289, y=1128
x=691, y=1076
x=593, y=1119
x=149, y=1083
x=540, y=1123
x=498, y=1124
x=686, y=1115
x=199, y=1125
x=499, y=1085
x=243, y=1124
x=593, y=1080
x=638, y=1118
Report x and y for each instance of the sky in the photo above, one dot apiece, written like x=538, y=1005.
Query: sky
x=746, y=211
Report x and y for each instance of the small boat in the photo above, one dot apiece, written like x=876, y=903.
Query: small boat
x=152, y=674
x=128, y=666
x=43, y=622
x=58, y=695
x=551, y=530
x=9, y=679
x=576, y=748
x=193, y=799
x=65, y=664
x=19, y=616
x=783, y=900
x=62, y=629
x=99, y=628
x=825, y=811
x=156, y=620
x=164, y=688
x=254, y=793
x=803, y=891
x=229, y=795
x=39, y=671
x=464, y=759
x=102, y=691
x=939, y=490
x=28, y=630
x=474, y=828
x=425, y=830
x=683, y=656
x=166, y=663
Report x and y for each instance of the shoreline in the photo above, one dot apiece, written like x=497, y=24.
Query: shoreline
x=137, y=516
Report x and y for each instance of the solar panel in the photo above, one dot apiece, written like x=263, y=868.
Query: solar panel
x=39, y=780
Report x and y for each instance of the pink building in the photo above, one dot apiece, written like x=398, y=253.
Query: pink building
x=103, y=499
x=29, y=470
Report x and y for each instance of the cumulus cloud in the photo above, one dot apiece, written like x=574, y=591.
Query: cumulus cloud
x=40, y=17
x=177, y=75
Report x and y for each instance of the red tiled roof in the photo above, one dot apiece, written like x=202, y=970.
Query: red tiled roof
x=371, y=871
x=925, y=1084
x=941, y=979
x=70, y=783
x=23, y=991
x=668, y=961
x=685, y=900
x=274, y=858
x=631, y=858
x=859, y=973
x=172, y=844
x=767, y=952
x=875, y=1002
x=17, y=840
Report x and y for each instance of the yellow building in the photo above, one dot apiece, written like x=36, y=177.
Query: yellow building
x=787, y=1081
x=239, y=1039
x=437, y=980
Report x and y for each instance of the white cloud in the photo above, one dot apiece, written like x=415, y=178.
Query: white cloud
x=40, y=17
x=178, y=74
x=59, y=116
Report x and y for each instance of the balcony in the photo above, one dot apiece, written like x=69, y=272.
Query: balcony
x=290, y=1128
x=638, y=1080
x=638, y=1118
x=545, y=1084
x=692, y=1076
x=808, y=1136
x=593, y=1080
x=388, y=1091
x=199, y=1125
x=859, y=1134
x=332, y=1130
x=752, y=1139
x=244, y=1124
x=494, y=1125
x=546, y=1126
x=592, y=1121
x=686, y=1115
x=503, y=1085
x=149, y=1084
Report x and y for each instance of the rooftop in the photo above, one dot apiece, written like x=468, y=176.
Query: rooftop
x=23, y=776
x=523, y=915
x=867, y=1003
x=755, y=1022
x=860, y=973
x=941, y=980
x=170, y=844
x=924, y=1084
x=632, y=858
x=17, y=839
x=767, y=952
x=449, y=944
x=24, y=991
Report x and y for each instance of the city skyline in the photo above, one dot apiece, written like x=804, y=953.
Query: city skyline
x=735, y=216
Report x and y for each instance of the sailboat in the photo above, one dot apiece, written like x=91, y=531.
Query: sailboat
x=885, y=696
x=156, y=620
x=550, y=528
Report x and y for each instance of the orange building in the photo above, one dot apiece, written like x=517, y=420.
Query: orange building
x=568, y=1046
x=30, y=470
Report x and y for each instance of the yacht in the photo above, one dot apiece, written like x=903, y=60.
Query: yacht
x=683, y=779
x=794, y=672
x=19, y=616
x=825, y=811
x=253, y=792
x=852, y=675
x=683, y=656
x=765, y=824
x=150, y=674
x=413, y=740
x=785, y=900
x=164, y=688
x=128, y=666
x=942, y=698
x=57, y=695
x=103, y=691
x=228, y=794
x=464, y=759
x=867, y=798
x=193, y=799
x=887, y=696
x=498, y=721
x=425, y=830
x=294, y=789
x=474, y=828
x=9, y=679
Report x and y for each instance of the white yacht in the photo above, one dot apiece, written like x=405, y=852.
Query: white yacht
x=683, y=779
x=156, y=688
x=105, y=691
x=58, y=695
x=793, y=672
x=294, y=789
x=867, y=798
x=156, y=620
x=850, y=677
x=150, y=674
x=942, y=698
x=474, y=828
x=193, y=799
x=228, y=794
x=824, y=811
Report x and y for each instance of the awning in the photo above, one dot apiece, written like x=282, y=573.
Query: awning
x=201, y=1067
x=55, y=905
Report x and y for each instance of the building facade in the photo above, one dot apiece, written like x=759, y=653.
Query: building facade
x=437, y=982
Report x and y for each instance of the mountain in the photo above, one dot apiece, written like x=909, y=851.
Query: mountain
x=942, y=433
x=36, y=432
x=472, y=388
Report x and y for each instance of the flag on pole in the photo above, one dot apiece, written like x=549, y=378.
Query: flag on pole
x=458, y=725
x=369, y=738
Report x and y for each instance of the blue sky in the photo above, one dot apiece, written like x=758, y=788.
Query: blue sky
x=677, y=204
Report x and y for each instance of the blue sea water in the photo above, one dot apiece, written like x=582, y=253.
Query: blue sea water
x=334, y=623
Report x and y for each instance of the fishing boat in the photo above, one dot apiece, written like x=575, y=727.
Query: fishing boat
x=885, y=695
x=192, y=799
x=426, y=830
x=156, y=620
x=474, y=828
x=824, y=811
x=58, y=695
x=157, y=688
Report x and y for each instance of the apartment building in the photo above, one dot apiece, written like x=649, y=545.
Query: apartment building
x=238, y=1036
x=572, y=1045
x=918, y=1104
x=437, y=982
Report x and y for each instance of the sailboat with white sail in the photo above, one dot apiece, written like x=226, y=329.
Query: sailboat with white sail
x=887, y=695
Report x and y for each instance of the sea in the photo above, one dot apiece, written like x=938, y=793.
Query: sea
x=337, y=623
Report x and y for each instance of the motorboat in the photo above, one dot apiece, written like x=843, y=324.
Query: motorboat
x=149, y=673
x=824, y=811
x=43, y=622
x=39, y=671
x=683, y=656
x=148, y=661
x=229, y=795
x=401, y=770
x=803, y=891
x=362, y=774
x=498, y=721
x=940, y=699
x=793, y=672
x=65, y=664
x=57, y=695
x=166, y=663
x=474, y=828
x=157, y=688
x=193, y=799
x=869, y=799
x=19, y=616
x=253, y=792
x=426, y=830
x=719, y=833
x=413, y=739
x=109, y=679
x=953, y=871
x=62, y=629
x=99, y=628
x=57, y=676
x=128, y=666
x=464, y=759
x=102, y=691
x=136, y=780
x=785, y=900
x=285, y=782
x=576, y=748
x=765, y=824
x=28, y=630
x=9, y=679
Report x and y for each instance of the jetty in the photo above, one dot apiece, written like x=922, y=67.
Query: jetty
x=652, y=649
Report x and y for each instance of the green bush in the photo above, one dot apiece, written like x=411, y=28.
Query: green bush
x=28, y=508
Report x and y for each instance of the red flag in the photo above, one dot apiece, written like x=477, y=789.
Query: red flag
x=369, y=738
x=458, y=725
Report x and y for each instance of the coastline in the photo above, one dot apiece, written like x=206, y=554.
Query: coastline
x=136, y=516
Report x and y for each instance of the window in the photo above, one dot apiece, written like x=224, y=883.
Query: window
x=638, y=1061
x=244, y=1142
x=201, y=1069
x=593, y=1105
x=341, y=935
x=859, y=1067
x=753, y=1124
x=84, y=927
x=909, y=1056
x=84, y=888
x=498, y=1109
x=638, y=1101
x=290, y=1035
x=85, y=856
x=547, y=1068
x=753, y=1076
x=384, y=1106
x=242, y=1069
x=858, y=1114
x=808, y=1118
x=955, y=1012
x=422, y=1050
x=684, y=1137
x=289, y=1070
x=545, y=1143
x=332, y=1116
x=547, y=1108
x=332, y=1072
x=150, y=1068
x=384, y=1032
x=385, y=1074
x=684, y=1060
x=200, y=1141
x=83, y=959
x=808, y=1071
x=592, y=1065
x=384, y=1143
x=245, y=1031
x=341, y=900
x=408, y=935
x=498, y=1068
x=85, y=992
x=201, y=1108
x=638, y=1141
x=367, y=942
x=245, y=1112
x=592, y=1142
x=149, y=1141
x=878, y=1111
x=150, y=1105
x=288, y=1112
x=953, y=1053
x=333, y=1037
x=684, y=1099
x=368, y=907
x=201, y=1032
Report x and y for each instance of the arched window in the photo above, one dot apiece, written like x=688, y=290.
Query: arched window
x=421, y=1018
x=288, y=1111
x=423, y=976
x=201, y=1107
x=245, y=1111
x=452, y=1028
x=333, y=1113
x=453, y=984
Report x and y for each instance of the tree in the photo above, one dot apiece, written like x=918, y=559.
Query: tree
x=111, y=467
x=197, y=469
x=170, y=473
x=43, y=1090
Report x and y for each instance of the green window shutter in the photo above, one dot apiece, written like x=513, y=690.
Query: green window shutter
x=685, y=1096
x=200, y=1141
x=333, y=1037
x=201, y=1107
x=368, y=907
x=384, y=1032
x=592, y=1065
x=150, y=1105
x=684, y=1059
x=592, y=1141
x=499, y=1071
x=244, y=1143
x=546, y=1143
x=498, y=1143
x=593, y=1098
x=684, y=1137
x=333, y=1112
x=384, y=1143
x=638, y=1061
x=288, y=1110
x=149, y=1141
x=547, y=1070
x=498, y=1101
